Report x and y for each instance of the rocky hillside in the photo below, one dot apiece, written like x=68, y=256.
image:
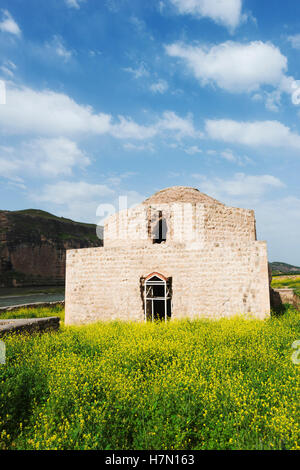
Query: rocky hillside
x=283, y=268
x=33, y=244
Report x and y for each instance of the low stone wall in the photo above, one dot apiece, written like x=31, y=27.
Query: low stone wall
x=284, y=296
x=29, y=325
x=36, y=304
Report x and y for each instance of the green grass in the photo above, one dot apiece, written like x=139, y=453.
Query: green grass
x=287, y=281
x=35, y=312
x=48, y=215
x=71, y=236
x=226, y=384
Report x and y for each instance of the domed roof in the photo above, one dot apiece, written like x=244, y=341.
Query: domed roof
x=179, y=194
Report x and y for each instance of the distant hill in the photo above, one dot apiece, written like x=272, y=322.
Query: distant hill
x=283, y=268
x=33, y=244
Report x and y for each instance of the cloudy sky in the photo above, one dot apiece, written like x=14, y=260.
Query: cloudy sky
x=125, y=97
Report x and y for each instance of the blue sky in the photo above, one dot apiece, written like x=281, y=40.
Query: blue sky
x=125, y=97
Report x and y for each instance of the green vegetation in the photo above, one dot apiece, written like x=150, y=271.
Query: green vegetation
x=34, y=221
x=35, y=312
x=70, y=236
x=226, y=384
x=287, y=281
x=278, y=268
x=66, y=229
x=35, y=234
x=48, y=215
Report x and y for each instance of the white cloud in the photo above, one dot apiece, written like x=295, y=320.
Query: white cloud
x=8, y=166
x=161, y=6
x=57, y=45
x=140, y=71
x=65, y=192
x=139, y=148
x=193, y=150
x=8, y=24
x=295, y=41
x=74, y=3
x=253, y=134
x=183, y=127
x=275, y=219
x=51, y=114
x=233, y=66
x=228, y=155
x=133, y=198
x=128, y=129
x=273, y=100
x=54, y=157
x=225, y=12
x=161, y=86
x=46, y=157
x=231, y=157
x=116, y=179
x=8, y=68
x=257, y=97
x=137, y=23
x=113, y=5
x=77, y=200
x=48, y=113
x=169, y=124
x=239, y=186
x=276, y=216
x=94, y=53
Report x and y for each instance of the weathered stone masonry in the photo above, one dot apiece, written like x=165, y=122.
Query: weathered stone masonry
x=211, y=257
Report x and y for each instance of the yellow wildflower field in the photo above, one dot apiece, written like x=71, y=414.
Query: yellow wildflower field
x=226, y=384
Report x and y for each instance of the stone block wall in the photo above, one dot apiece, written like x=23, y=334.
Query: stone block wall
x=283, y=296
x=187, y=223
x=214, y=280
x=226, y=224
x=29, y=325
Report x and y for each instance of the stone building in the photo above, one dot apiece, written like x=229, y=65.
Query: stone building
x=179, y=254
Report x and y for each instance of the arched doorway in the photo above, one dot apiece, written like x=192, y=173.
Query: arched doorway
x=157, y=297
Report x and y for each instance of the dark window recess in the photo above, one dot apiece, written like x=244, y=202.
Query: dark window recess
x=157, y=298
x=159, y=234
